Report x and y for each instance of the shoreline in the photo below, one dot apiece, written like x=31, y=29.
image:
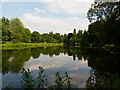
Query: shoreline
x=28, y=45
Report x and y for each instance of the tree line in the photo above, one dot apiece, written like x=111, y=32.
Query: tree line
x=103, y=30
x=76, y=39
x=13, y=31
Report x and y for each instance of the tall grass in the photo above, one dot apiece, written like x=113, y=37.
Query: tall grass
x=28, y=45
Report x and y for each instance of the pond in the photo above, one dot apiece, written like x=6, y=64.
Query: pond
x=89, y=68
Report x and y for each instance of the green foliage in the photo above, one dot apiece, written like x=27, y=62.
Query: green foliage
x=27, y=36
x=16, y=29
x=29, y=82
x=16, y=37
x=35, y=37
x=57, y=37
x=104, y=80
x=103, y=10
x=104, y=29
x=9, y=86
x=74, y=32
x=14, y=59
x=42, y=81
x=27, y=79
x=13, y=30
x=63, y=81
x=105, y=22
x=28, y=45
x=5, y=29
x=52, y=38
x=84, y=39
x=104, y=61
x=76, y=39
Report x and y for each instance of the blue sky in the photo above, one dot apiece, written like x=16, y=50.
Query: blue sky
x=49, y=15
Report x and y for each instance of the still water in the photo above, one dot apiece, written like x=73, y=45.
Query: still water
x=89, y=68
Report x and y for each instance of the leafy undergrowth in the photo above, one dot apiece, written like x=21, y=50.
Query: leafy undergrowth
x=42, y=82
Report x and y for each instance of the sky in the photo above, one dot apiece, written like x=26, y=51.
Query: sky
x=58, y=16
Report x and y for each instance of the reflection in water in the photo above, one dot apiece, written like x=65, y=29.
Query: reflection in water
x=13, y=60
x=100, y=79
x=105, y=72
x=75, y=61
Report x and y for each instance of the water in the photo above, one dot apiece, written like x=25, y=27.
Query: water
x=88, y=67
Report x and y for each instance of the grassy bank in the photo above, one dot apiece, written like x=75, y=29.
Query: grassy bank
x=27, y=45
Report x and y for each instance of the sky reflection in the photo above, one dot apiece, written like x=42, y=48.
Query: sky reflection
x=77, y=69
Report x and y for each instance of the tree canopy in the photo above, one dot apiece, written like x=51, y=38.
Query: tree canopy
x=105, y=23
x=103, y=30
x=13, y=30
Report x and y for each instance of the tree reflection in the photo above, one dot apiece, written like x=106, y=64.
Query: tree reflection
x=76, y=52
x=105, y=71
x=35, y=52
x=100, y=79
x=13, y=60
x=106, y=61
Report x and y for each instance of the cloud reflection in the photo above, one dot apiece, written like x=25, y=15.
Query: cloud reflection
x=77, y=69
x=55, y=62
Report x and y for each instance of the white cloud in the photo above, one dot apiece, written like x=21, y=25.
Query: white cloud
x=19, y=0
x=72, y=9
x=39, y=10
x=69, y=7
x=66, y=0
x=56, y=62
x=59, y=62
x=44, y=24
x=43, y=0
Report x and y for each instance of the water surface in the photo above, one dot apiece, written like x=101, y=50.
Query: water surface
x=88, y=67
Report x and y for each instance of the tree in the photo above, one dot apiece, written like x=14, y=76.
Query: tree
x=79, y=36
x=84, y=39
x=51, y=38
x=105, y=22
x=57, y=37
x=65, y=38
x=47, y=38
x=27, y=35
x=36, y=37
x=16, y=29
x=74, y=31
x=5, y=29
x=104, y=10
x=0, y=32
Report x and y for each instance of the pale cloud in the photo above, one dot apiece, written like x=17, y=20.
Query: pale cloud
x=39, y=10
x=44, y=24
x=19, y=0
x=56, y=62
x=42, y=18
x=56, y=0
x=45, y=0
x=66, y=0
x=70, y=7
x=78, y=69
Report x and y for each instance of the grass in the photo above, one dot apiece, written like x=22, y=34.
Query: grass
x=27, y=45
